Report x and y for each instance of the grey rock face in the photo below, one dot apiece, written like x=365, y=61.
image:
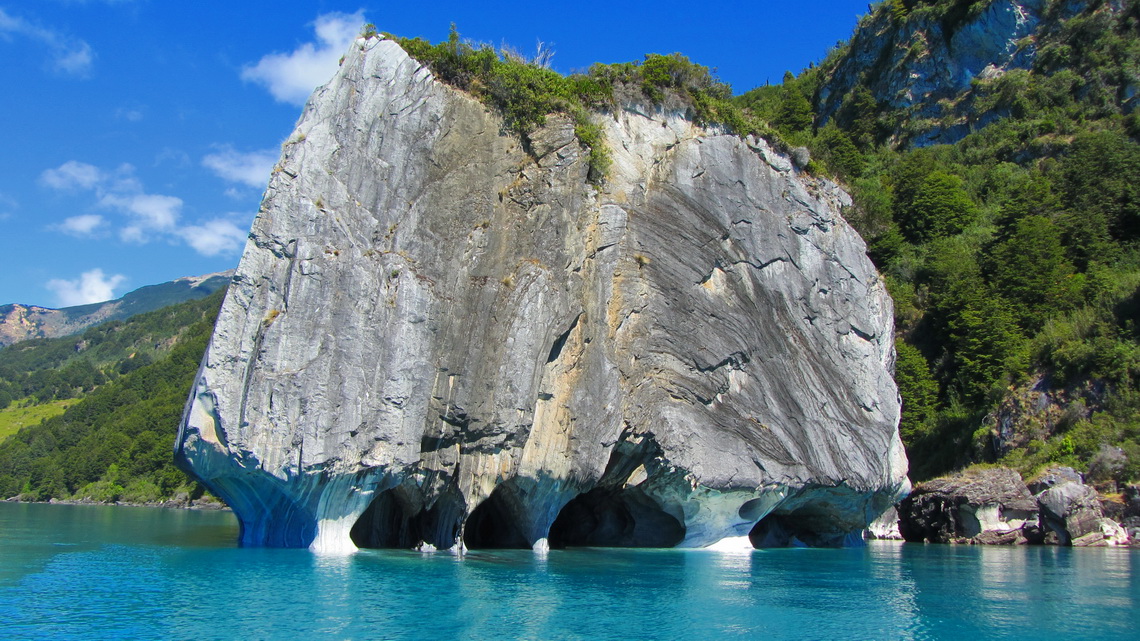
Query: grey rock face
x=437, y=336
x=986, y=506
x=913, y=64
x=1054, y=477
x=1072, y=512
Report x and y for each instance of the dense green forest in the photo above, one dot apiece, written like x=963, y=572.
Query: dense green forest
x=114, y=443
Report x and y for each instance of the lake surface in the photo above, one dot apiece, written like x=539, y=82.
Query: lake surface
x=87, y=572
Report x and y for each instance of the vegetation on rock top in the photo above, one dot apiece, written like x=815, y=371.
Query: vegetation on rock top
x=525, y=91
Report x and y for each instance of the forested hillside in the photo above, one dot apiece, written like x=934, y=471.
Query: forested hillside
x=119, y=388
x=1011, y=253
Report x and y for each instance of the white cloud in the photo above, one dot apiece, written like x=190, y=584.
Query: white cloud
x=72, y=175
x=119, y=190
x=148, y=213
x=148, y=216
x=74, y=59
x=70, y=56
x=291, y=77
x=214, y=237
x=91, y=287
x=82, y=225
x=252, y=168
x=173, y=156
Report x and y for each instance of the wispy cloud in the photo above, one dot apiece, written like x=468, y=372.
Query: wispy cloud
x=291, y=77
x=81, y=226
x=145, y=217
x=148, y=213
x=72, y=175
x=7, y=205
x=214, y=237
x=250, y=168
x=68, y=55
x=130, y=114
x=91, y=287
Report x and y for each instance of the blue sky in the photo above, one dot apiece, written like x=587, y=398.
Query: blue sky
x=139, y=134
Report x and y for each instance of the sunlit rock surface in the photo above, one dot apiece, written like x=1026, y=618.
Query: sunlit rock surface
x=439, y=336
x=1072, y=513
x=991, y=506
x=923, y=65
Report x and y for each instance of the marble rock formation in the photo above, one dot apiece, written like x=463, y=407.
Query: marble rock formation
x=439, y=335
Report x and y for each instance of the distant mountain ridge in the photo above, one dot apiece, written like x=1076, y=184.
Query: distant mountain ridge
x=23, y=322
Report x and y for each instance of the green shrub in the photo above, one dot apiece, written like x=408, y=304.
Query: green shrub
x=941, y=207
x=525, y=93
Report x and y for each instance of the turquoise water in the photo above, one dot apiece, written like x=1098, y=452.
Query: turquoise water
x=78, y=572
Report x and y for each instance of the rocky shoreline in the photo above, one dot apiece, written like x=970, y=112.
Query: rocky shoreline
x=994, y=506
x=986, y=506
x=206, y=503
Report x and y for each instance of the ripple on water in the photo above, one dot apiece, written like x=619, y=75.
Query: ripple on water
x=125, y=574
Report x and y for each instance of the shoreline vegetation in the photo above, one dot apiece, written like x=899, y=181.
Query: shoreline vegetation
x=207, y=502
x=126, y=384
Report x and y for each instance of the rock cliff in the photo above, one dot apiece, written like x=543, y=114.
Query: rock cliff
x=439, y=335
x=924, y=64
x=994, y=507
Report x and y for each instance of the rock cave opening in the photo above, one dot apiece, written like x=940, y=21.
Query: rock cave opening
x=399, y=518
x=390, y=521
x=494, y=525
x=615, y=518
x=805, y=527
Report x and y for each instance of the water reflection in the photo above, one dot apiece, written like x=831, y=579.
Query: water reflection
x=138, y=585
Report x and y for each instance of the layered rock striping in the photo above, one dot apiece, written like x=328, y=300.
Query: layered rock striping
x=439, y=335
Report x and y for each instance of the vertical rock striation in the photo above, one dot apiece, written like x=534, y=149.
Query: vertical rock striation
x=437, y=335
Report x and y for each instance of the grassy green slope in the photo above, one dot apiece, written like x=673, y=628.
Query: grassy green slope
x=14, y=418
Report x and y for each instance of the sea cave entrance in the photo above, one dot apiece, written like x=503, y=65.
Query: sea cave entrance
x=615, y=518
x=809, y=526
x=493, y=524
x=399, y=518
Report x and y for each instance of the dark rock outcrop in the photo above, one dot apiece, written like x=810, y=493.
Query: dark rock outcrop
x=993, y=506
x=1072, y=512
x=979, y=506
x=924, y=65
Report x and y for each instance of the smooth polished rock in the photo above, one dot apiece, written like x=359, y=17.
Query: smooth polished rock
x=440, y=335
